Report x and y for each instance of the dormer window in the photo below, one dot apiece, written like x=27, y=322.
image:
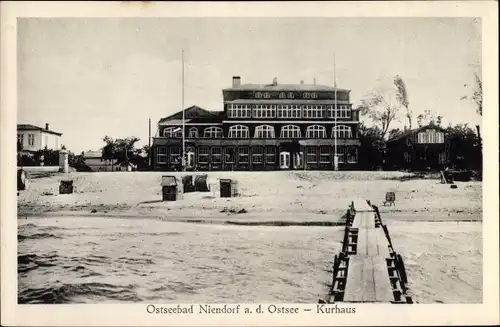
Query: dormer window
x=290, y=95
x=306, y=95
x=282, y=95
x=267, y=95
x=314, y=95
x=258, y=95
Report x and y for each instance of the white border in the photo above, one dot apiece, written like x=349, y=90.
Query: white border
x=126, y=315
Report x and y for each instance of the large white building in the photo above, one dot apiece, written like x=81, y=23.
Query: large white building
x=34, y=138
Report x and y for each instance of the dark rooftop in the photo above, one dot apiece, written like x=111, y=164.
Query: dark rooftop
x=29, y=127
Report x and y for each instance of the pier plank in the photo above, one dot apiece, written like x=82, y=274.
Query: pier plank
x=361, y=205
x=367, y=277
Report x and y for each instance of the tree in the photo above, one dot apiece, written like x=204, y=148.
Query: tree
x=19, y=150
x=402, y=97
x=394, y=132
x=429, y=118
x=477, y=94
x=119, y=150
x=382, y=107
x=465, y=147
x=372, y=150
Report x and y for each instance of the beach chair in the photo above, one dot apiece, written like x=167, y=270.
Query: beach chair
x=390, y=198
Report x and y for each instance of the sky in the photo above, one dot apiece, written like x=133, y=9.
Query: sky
x=89, y=78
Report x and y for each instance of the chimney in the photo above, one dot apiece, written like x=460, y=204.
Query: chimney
x=47, y=126
x=314, y=81
x=301, y=81
x=236, y=81
x=275, y=81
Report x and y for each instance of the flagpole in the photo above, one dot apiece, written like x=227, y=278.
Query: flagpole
x=335, y=158
x=183, y=119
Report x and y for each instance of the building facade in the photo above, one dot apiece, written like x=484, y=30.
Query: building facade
x=263, y=127
x=34, y=138
x=424, y=148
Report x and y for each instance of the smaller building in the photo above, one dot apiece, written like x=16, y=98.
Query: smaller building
x=94, y=160
x=424, y=148
x=34, y=138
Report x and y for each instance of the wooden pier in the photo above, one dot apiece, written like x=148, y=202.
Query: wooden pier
x=367, y=269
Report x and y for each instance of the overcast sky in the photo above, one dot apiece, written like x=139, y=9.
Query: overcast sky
x=94, y=77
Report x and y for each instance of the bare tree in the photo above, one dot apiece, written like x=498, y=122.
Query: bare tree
x=382, y=107
x=402, y=97
x=428, y=117
x=477, y=94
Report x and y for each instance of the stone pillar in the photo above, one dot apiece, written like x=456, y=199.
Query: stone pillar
x=63, y=161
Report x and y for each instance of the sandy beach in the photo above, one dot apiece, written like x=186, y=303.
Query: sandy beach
x=265, y=196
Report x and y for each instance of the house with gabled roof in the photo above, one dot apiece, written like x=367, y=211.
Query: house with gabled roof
x=423, y=148
x=34, y=138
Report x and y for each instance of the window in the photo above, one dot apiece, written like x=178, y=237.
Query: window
x=217, y=155
x=31, y=139
x=431, y=136
x=193, y=132
x=343, y=132
x=264, y=111
x=258, y=154
x=316, y=132
x=20, y=139
x=289, y=111
x=203, y=155
x=213, y=132
x=271, y=155
x=161, y=155
x=352, y=155
x=290, y=131
x=264, y=132
x=175, y=155
x=439, y=137
x=239, y=111
x=239, y=131
x=312, y=111
x=306, y=95
x=408, y=157
x=343, y=111
x=341, y=153
x=290, y=95
x=229, y=155
x=324, y=154
x=282, y=95
x=311, y=154
x=422, y=137
x=243, y=154
x=442, y=158
x=172, y=132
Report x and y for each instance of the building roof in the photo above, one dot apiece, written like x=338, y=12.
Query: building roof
x=92, y=154
x=284, y=87
x=29, y=127
x=415, y=130
x=193, y=114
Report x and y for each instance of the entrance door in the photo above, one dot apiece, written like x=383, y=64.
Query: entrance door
x=190, y=159
x=285, y=160
x=299, y=160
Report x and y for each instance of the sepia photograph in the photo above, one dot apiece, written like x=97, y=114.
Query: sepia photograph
x=176, y=160
x=194, y=164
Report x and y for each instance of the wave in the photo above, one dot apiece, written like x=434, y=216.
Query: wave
x=70, y=293
x=36, y=236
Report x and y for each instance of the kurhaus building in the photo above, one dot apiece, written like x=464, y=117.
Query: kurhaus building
x=263, y=127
